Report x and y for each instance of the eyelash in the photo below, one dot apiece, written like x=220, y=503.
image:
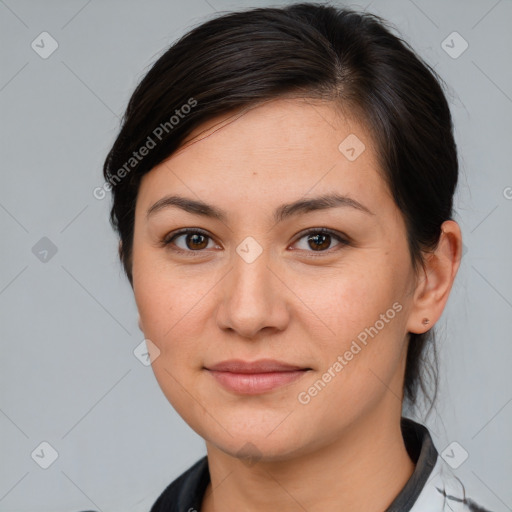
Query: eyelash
x=168, y=240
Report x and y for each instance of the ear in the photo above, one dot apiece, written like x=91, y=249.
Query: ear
x=436, y=279
x=120, y=248
x=140, y=325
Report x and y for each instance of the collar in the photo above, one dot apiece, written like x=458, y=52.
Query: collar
x=185, y=494
x=423, y=453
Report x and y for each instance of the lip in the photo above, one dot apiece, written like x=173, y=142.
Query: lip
x=259, y=366
x=255, y=377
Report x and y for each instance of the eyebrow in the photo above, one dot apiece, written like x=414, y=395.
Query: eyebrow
x=281, y=213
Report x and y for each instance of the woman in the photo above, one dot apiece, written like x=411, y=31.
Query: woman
x=283, y=185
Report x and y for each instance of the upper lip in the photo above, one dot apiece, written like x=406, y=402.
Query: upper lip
x=259, y=366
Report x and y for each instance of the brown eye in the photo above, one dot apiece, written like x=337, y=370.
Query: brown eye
x=188, y=240
x=196, y=241
x=320, y=240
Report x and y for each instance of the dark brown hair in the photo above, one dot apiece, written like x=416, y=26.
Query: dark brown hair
x=353, y=59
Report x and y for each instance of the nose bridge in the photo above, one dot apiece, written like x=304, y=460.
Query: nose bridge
x=251, y=295
x=251, y=273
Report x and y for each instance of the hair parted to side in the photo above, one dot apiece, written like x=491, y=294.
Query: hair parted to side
x=238, y=60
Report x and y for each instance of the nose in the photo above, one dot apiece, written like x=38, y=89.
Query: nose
x=254, y=298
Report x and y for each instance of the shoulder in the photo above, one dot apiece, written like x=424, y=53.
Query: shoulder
x=444, y=491
x=185, y=493
x=433, y=485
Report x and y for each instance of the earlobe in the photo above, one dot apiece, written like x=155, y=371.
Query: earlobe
x=433, y=289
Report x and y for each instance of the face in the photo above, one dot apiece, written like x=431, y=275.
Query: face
x=323, y=286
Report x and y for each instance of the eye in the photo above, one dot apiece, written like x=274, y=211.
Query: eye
x=192, y=240
x=195, y=240
x=320, y=239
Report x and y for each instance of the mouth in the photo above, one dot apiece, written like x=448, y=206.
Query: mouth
x=256, y=377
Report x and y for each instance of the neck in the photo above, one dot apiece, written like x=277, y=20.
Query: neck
x=365, y=468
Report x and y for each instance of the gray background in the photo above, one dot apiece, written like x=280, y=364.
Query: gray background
x=68, y=374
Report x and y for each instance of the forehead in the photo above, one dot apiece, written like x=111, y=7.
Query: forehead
x=291, y=127
x=289, y=147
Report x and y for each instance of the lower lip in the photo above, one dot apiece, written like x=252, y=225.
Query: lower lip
x=255, y=383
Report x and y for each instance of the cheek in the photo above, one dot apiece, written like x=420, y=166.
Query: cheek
x=349, y=301
x=168, y=311
x=172, y=309
x=362, y=315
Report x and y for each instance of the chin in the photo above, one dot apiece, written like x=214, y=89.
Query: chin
x=253, y=442
x=257, y=450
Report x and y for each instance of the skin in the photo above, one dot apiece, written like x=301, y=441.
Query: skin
x=292, y=303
